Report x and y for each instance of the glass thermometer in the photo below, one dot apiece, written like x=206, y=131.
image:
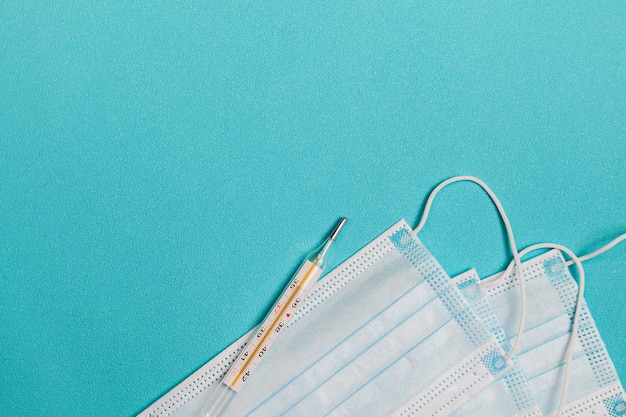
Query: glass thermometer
x=271, y=327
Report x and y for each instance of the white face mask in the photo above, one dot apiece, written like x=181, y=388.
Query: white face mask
x=398, y=338
x=546, y=354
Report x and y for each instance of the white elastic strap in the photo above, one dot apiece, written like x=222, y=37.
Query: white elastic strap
x=600, y=251
x=581, y=290
x=511, y=238
x=495, y=279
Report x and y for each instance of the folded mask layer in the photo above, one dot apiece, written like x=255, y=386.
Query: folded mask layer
x=594, y=386
x=385, y=333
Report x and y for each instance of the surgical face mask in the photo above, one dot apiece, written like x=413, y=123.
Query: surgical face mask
x=386, y=333
x=548, y=353
x=510, y=394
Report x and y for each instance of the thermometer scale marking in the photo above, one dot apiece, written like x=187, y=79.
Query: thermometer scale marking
x=279, y=316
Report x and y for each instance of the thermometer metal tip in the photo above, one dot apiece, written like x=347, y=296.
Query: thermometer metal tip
x=337, y=229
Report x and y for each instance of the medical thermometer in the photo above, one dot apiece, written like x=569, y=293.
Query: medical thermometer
x=272, y=326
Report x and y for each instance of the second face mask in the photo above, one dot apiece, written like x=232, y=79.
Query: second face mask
x=594, y=387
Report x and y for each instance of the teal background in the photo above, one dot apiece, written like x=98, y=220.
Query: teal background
x=164, y=166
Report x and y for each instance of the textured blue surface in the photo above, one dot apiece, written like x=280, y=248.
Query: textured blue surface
x=164, y=167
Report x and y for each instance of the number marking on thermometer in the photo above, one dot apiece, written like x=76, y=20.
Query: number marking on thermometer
x=273, y=324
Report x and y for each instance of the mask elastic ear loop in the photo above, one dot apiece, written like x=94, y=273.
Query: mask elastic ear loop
x=581, y=290
x=494, y=280
x=600, y=251
x=511, y=239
